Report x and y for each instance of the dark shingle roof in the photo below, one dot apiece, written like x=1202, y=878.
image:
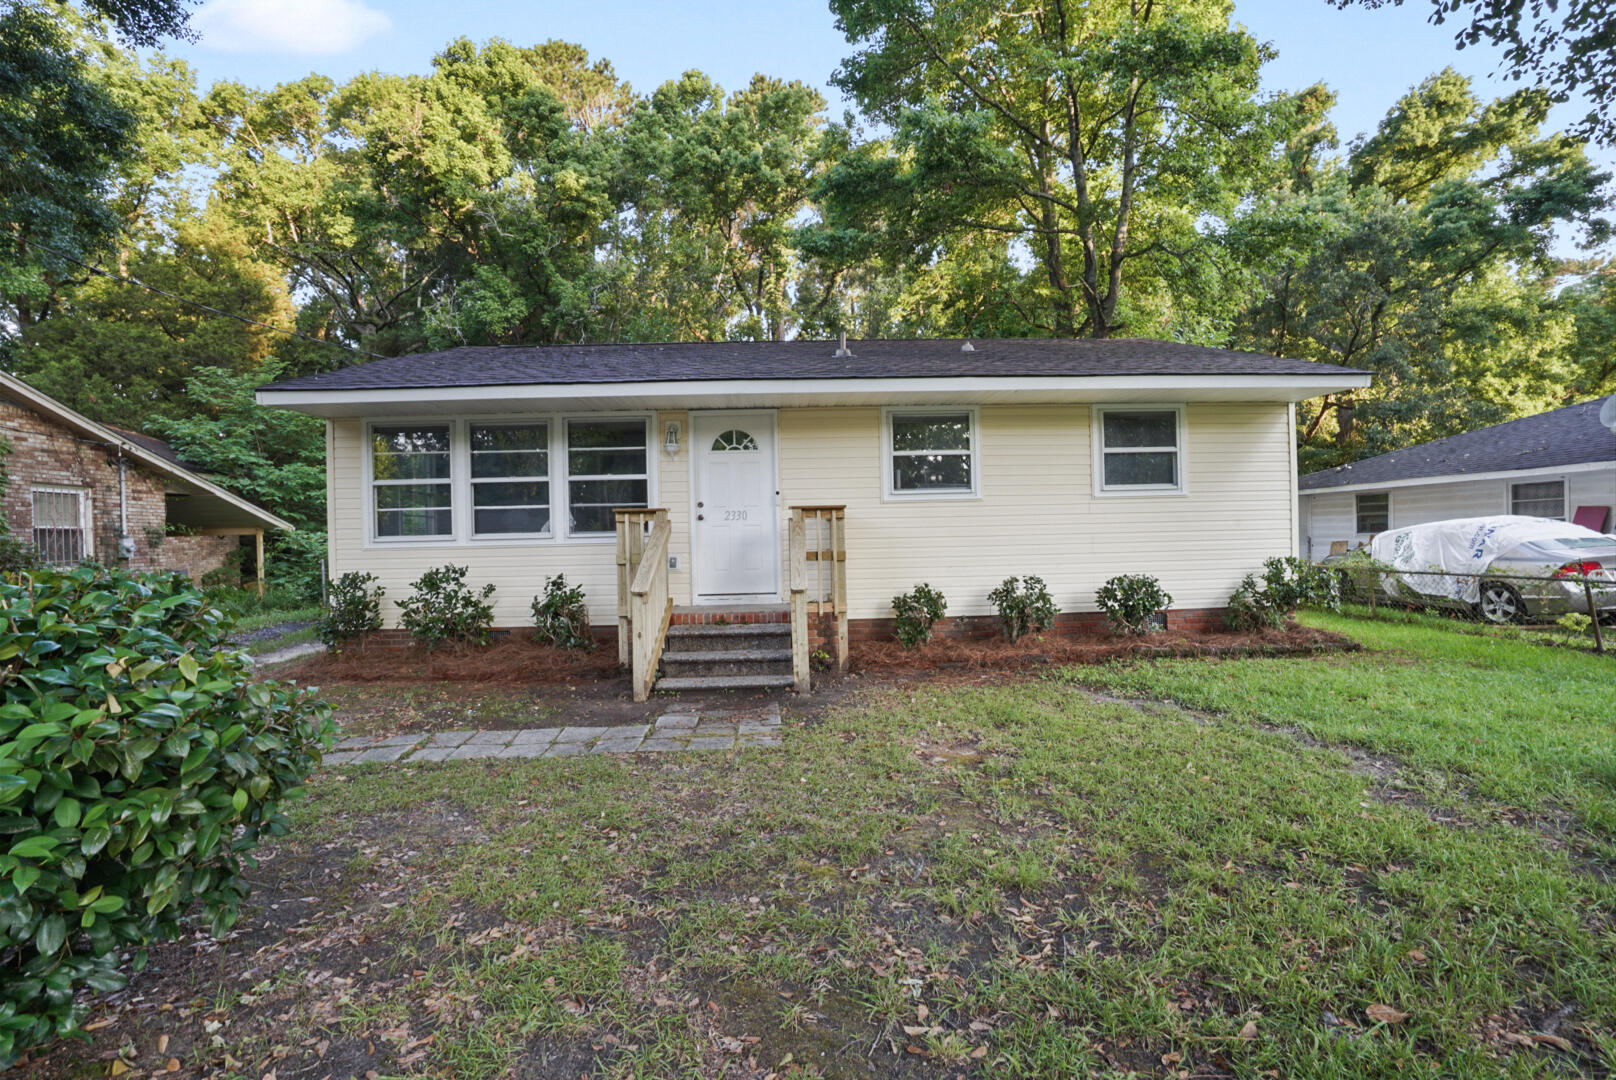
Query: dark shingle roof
x=507, y=365
x=150, y=442
x=1569, y=436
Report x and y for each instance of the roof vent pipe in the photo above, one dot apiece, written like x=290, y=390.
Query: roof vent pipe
x=841, y=347
x=967, y=347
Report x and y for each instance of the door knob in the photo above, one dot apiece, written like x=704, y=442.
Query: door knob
x=701, y=517
x=700, y=505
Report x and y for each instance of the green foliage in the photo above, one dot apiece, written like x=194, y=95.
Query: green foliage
x=560, y=616
x=1131, y=602
x=916, y=612
x=1287, y=583
x=353, y=609
x=1024, y=606
x=1574, y=624
x=140, y=764
x=1049, y=130
x=295, y=562
x=442, y=608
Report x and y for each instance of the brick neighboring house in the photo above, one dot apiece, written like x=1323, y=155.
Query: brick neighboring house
x=79, y=489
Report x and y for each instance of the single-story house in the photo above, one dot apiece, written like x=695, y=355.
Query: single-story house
x=949, y=462
x=1558, y=464
x=77, y=489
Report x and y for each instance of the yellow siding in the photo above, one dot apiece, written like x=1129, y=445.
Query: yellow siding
x=1037, y=514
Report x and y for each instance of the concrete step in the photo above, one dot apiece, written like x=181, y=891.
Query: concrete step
x=698, y=656
x=728, y=663
x=725, y=682
x=766, y=629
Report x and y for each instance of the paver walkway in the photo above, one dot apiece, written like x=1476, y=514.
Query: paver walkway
x=710, y=730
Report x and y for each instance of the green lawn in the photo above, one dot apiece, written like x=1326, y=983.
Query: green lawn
x=1007, y=881
x=1515, y=722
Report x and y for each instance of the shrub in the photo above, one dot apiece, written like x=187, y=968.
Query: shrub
x=916, y=612
x=352, y=609
x=1131, y=601
x=561, y=616
x=1024, y=604
x=1287, y=584
x=17, y=555
x=442, y=607
x=140, y=764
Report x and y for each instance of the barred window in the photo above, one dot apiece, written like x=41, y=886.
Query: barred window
x=1544, y=499
x=61, y=524
x=1373, y=512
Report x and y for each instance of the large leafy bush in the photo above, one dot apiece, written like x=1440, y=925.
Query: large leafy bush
x=916, y=612
x=139, y=766
x=1024, y=605
x=1286, y=584
x=1132, y=601
x=352, y=609
x=442, y=607
x=560, y=615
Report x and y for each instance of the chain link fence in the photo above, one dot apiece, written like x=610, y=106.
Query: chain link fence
x=1553, y=607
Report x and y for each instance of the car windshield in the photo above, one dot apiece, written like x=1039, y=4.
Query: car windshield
x=1586, y=542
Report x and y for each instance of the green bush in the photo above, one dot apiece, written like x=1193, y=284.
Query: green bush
x=560, y=616
x=352, y=609
x=1024, y=605
x=292, y=561
x=139, y=766
x=1131, y=602
x=17, y=555
x=442, y=607
x=1287, y=584
x=916, y=612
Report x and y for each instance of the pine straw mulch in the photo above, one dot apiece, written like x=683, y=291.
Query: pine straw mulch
x=1040, y=649
x=508, y=661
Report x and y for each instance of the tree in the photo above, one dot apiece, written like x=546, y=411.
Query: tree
x=1096, y=137
x=714, y=186
x=1425, y=259
x=1563, y=52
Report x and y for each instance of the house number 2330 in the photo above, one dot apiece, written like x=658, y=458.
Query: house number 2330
x=734, y=515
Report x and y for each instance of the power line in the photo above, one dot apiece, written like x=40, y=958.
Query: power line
x=127, y=280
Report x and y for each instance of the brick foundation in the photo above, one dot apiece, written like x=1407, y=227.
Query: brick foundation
x=823, y=635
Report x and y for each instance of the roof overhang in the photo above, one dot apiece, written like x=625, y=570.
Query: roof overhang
x=1459, y=478
x=775, y=393
x=187, y=481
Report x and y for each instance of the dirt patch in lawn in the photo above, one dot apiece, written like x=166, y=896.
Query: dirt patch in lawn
x=954, y=654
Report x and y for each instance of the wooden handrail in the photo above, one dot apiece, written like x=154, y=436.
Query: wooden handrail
x=654, y=561
x=828, y=590
x=650, y=608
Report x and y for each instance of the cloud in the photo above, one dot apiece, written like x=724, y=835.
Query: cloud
x=294, y=26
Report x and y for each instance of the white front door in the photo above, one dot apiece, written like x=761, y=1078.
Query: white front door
x=736, y=538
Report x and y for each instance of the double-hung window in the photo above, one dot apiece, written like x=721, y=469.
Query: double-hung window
x=1373, y=511
x=1544, y=499
x=1139, y=449
x=61, y=524
x=510, y=479
x=931, y=452
x=412, y=488
x=606, y=468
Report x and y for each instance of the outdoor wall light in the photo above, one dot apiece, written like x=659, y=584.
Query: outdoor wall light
x=670, y=442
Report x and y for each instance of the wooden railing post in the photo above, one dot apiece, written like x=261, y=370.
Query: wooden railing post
x=650, y=604
x=798, y=547
x=839, y=586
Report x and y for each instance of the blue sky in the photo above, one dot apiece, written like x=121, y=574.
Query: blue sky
x=1368, y=57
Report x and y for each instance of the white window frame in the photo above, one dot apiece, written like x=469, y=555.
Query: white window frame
x=610, y=536
x=472, y=482
x=368, y=450
x=893, y=494
x=1098, y=450
x=461, y=510
x=1356, y=495
x=86, y=517
x=1565, y=493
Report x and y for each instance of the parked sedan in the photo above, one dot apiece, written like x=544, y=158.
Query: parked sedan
x=1504, y=568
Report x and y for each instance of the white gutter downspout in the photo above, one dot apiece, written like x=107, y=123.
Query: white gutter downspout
x=126, y=543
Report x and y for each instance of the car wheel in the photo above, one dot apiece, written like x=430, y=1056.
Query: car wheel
x=1500, y=603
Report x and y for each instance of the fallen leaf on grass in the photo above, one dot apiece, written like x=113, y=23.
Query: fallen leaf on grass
x=1172, y=1059
x=1385, y=1014
x=1249, y=1031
